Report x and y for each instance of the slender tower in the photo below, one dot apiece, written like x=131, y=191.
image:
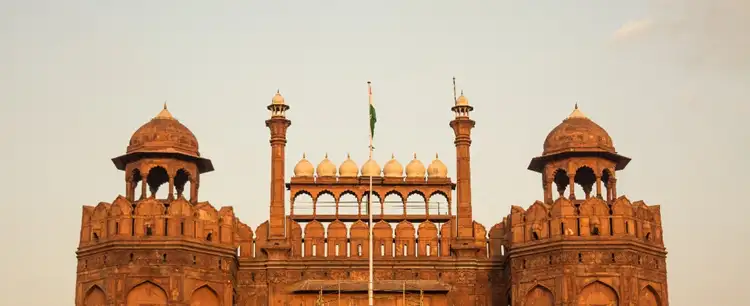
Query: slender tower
x=277, y=247
x=464, y=245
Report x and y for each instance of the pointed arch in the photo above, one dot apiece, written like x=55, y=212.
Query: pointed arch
x=146, y=293
x=325, y=203
x=95, y=297
x=301, y=203
x=649, y=297
x=348, y=203
x=393, y=203
x=598, y=293
x=539, y=296
x=204, y=296
x=438, y=204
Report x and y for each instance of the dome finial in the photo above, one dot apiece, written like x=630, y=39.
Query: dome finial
x=415, y=155
x=326, y=155
x=577, y=113
x=436, y=156
x=348, y=156
x=304, y=155
x=393, y=156
x=164, y=113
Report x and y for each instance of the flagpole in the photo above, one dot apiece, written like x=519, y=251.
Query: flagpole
x=370, y=285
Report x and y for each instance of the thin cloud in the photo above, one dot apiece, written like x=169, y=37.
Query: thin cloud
x=710, y=34
x=632, y=29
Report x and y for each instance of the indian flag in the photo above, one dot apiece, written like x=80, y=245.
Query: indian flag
x=373, y=115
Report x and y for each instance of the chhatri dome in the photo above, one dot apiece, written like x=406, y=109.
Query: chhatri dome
x=577, y=133
x=348, y=168
x=326, y=168
x=277, y=98
x=415, y=168
x=462, y=100
x=393, y=168
x=304, y=168
x=370, y=168
x=437, y=169
x=164, y=134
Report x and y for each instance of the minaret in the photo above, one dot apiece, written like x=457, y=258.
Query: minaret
x=464, y=245
x=277, y=246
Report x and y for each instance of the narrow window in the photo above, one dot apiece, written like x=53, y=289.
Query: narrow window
x=131, y=257
x=534, y=236
x=194, y=259
x=406, y=250
x=562, y=228
x=578, y=226
x=166, y=227
x=219, y=264
x=314, y=250
x=209, y=237
x=611, y=227
x=382, y=249
x=132, y=227
x=359, y=250
x=627, y=227
x=182, y=228
x=164, y=257
x=148, y=230
x=580, y=258
x=96, y=237
x=105, y=259
x=428, y=250
x=613, y=257
x=117, y=228
x=595, y=231
x=337, y=250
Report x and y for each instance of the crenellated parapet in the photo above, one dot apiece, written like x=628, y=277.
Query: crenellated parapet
x=592, y=219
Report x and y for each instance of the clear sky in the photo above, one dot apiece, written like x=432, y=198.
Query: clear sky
x=669, y=80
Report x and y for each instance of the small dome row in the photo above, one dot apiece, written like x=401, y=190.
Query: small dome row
x=415, y=168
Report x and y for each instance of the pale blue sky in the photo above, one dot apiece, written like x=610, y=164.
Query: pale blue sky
x=667, y=78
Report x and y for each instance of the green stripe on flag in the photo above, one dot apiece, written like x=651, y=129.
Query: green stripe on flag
x=373, y=119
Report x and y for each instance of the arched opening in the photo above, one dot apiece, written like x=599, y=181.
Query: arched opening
x=393, y=204
x=181, y=183
x=649, y=297
x=325, y=204
x=539, y=296
x=95, y=297
x=348, y=203
x=585, y=179
x=438, y=204
x=158, y=176
x=377, y=207
x=416, y=204
x=561, y=182
x=204, y=296
x=302, y=204
x=598, y=294
x=146, y=293
x=137, y=179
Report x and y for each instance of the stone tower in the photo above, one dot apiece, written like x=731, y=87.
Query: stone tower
x=593, y=248
x=144, y=250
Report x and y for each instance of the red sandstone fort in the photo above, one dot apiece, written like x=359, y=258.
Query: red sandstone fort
x=595, y=248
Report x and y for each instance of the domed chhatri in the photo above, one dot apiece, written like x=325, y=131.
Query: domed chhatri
x=437, y=169
x=371, y=168
x=164, y=134
x=393, y=168
x=462, y=100
x=577, y=133
x=415, y=168
x=277, y=98
x=348, y=168
x=326, y=168
x=304, y=168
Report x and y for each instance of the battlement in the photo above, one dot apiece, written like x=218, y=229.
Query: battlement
x=151, y=218
x=590, y=219
x=350, y=240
